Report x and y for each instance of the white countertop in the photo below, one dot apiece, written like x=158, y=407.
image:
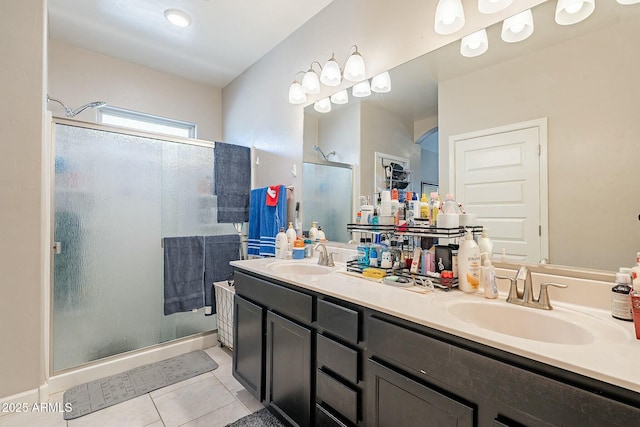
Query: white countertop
x=610, y=357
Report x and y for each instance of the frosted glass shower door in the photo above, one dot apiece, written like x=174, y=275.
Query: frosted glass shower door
x=327, y=199
x=115, y=197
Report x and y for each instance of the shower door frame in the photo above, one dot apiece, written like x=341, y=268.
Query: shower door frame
x=50, y=198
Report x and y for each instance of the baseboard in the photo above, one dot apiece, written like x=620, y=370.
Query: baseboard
x=25, y=398
x=61, y=382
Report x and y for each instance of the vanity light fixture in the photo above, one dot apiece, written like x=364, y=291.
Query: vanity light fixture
x=310, y=81
x=361, y=89
x=474, y=44
x=570, y=12
x=449, y=16
x=518, y=27
x=322, y=105
x=331, y=74
x=297, y=94
x=626, y=2
x=354, y=69
x=381, y=83
x=341, y=97
x=177, y=17
x=493, y=6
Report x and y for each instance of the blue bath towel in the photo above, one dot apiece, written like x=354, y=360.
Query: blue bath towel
x=232, y=171
x=183, y=274
x=256, y=201
x=271, y=219
x=219, y=251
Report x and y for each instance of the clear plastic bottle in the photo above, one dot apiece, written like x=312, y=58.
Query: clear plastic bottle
x=363, y=253
x=434, y=204
x=450, y=206
x=620, y=298
x=282, y=244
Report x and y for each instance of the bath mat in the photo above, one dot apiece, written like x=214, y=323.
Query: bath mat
x=99, y=394
x=261, y=418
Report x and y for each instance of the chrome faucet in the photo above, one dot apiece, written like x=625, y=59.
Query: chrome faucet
x=525, y=296
x=323, y=257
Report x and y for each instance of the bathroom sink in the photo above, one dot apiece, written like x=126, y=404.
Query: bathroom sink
x=300, y=268
x=558, y=326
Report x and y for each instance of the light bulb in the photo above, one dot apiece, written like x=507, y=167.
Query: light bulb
x=311, y=82
x=341, y=97
x=449, y=16
x=518, y=27
x=331, y=74
x=361, y=89
x=322, y=106
x=354, y=69
x=570, y=12
x=296, y=94
x=381, y=83
x=474, y=44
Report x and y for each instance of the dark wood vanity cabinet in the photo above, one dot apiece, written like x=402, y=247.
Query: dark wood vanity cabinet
x=318, y=360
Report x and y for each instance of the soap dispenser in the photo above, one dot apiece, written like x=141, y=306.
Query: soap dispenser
x=291, y=234
x=313, y=231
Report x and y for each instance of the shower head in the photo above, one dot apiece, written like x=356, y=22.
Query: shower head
x=72, y=113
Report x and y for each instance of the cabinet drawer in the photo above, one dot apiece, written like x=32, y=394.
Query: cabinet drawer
x=337, y=395
x=338, y=320
x=324, y=418
x=338, y=358
x=275, y=297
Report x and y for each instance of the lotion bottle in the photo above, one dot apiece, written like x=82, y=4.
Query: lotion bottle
x=291, y=234
x=469, y=267
x=282, y=244
x=313, y=231
x=485, y=244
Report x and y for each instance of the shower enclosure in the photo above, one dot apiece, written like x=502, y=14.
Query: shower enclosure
x=116, y=195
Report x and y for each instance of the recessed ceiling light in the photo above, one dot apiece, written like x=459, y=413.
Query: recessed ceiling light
x=177, y=17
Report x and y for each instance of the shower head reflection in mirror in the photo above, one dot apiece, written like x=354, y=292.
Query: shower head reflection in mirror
x=325, y=156
x=69, y=112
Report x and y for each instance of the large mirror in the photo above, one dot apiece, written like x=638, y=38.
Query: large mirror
x=583, y=79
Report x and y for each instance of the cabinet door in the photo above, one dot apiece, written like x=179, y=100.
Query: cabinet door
x=395, y=400
x=248, y=352
x=288, y=369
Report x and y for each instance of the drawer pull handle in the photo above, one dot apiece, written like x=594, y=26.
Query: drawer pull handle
x=423, y=372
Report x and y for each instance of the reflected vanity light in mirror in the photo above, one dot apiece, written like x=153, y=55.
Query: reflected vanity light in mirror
x=341, y=97
x=354, y=69
x=474, y=44
x=322, y=105
x=381, y=83
x=628, y=1
x=331, y=74
x=493, y=6
x=570, y=12
x=177, y=17
x=449, y=16
x=362, y=89
x=517, y=28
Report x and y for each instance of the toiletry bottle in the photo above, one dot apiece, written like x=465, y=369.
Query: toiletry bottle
x=359, y=217
x=414, y=210
x=366, y=209
x=373, y=256
x=450, y=207
x=282, y=244
x=363, y=253
x=424, y=207
x=321, y=235
x=620, y=298
x=313, y=231
x=469, y=264
x=291, y=234
x=489, y=279
x=635, y=273
x=485, y=244
x=435, y=208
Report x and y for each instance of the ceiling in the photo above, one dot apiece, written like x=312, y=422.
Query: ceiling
x=225, y=37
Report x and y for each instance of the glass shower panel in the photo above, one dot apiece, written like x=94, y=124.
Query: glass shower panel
x=327, y=199
x=111, y=211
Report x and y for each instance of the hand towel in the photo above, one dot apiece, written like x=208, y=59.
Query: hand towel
x=183, y=274
x=256, y=202
x=232, y=172
x=219, y=251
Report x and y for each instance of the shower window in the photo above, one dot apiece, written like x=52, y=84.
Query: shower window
x=115, y=197
x=115, y=116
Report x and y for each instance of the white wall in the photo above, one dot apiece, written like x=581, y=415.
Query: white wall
x=78, y=76
x=588, y=88
x=22, y=154
x=256, y=111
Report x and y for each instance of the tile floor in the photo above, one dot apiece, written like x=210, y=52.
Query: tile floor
x=211, y=399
